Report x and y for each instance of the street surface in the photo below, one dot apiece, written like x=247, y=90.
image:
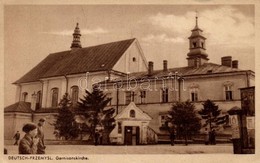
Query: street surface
x=142, y=149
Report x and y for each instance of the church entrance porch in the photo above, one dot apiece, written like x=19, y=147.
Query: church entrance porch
x=132, y=135
x=132, y=127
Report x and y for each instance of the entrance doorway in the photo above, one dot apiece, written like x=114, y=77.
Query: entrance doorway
x=132, y=135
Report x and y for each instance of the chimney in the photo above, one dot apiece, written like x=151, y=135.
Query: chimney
x=33, y=102
x=226, y=61
x=150, y=68
x=165, y=68
x=235, y=64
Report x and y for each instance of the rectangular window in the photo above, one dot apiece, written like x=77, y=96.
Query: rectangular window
x=165, y=95
x=228, y=92
x=194, y=96
x=109, y=95
x=119, y=127
x=163, y=121
x=129, y=97
x=143, y=96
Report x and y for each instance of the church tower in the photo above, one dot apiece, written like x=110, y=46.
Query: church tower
x=197, y=55
x=76, y=38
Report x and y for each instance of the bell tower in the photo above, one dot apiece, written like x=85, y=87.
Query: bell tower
x=76, y=38
x=197, y=55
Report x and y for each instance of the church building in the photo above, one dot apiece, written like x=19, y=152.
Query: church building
x=141, y=95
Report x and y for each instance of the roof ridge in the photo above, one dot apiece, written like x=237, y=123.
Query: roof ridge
x=108, y=43
x=91, y=46
x=81, y=60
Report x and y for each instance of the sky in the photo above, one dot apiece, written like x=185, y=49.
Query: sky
x=32, y=32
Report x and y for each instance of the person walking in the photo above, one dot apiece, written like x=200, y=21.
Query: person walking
x=28, y=144
x=96, y=137
x=16, y=137
x=213, y=137
x=206, y=136
x=172, y=136
x=40, y=135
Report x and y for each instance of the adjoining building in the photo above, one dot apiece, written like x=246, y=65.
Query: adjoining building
x=132, y=83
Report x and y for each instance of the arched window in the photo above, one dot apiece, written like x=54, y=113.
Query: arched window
x=132, y=113
x=74, y=95
x=55, y=95
x=228, y=92
x=194, y=94
x=38, y=99
x=24, y=96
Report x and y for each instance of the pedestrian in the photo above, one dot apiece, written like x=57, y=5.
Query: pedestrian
x=206, y=136
x=172, y=136
x=28, y=144
x=213, y=137
x=16, y=137
x=100, y=137
x=5, y=151
x=40, y=135
x=96, y=138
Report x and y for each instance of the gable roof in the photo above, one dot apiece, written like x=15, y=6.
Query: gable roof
x=24, y=107
x=94, y=58
x=140, y=114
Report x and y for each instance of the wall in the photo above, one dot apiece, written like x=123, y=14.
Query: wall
x=30, y=88
x=126, y=63
x=55, y=83
x=153, y=94
x=48, y=128
x=213, y=87
x=208, y=88
x=14, y=122
x=83, y=81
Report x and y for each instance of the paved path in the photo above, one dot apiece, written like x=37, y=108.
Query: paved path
x=145, y=149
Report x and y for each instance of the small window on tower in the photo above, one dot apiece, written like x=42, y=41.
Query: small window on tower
x=134, y=59
x=202, y=45
x=194, y=44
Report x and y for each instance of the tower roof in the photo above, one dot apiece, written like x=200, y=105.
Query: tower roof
x=76, y=38
x=197, y=54
x=196, y=31
x=77, y=30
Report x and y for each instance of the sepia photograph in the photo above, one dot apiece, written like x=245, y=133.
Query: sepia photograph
x=128, y=79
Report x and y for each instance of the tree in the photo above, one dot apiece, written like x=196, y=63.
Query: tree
x=212, y=114
x=183, y=116
x=65, y=125
x=92, y=106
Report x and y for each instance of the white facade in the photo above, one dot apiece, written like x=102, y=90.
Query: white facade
x=132, y=127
